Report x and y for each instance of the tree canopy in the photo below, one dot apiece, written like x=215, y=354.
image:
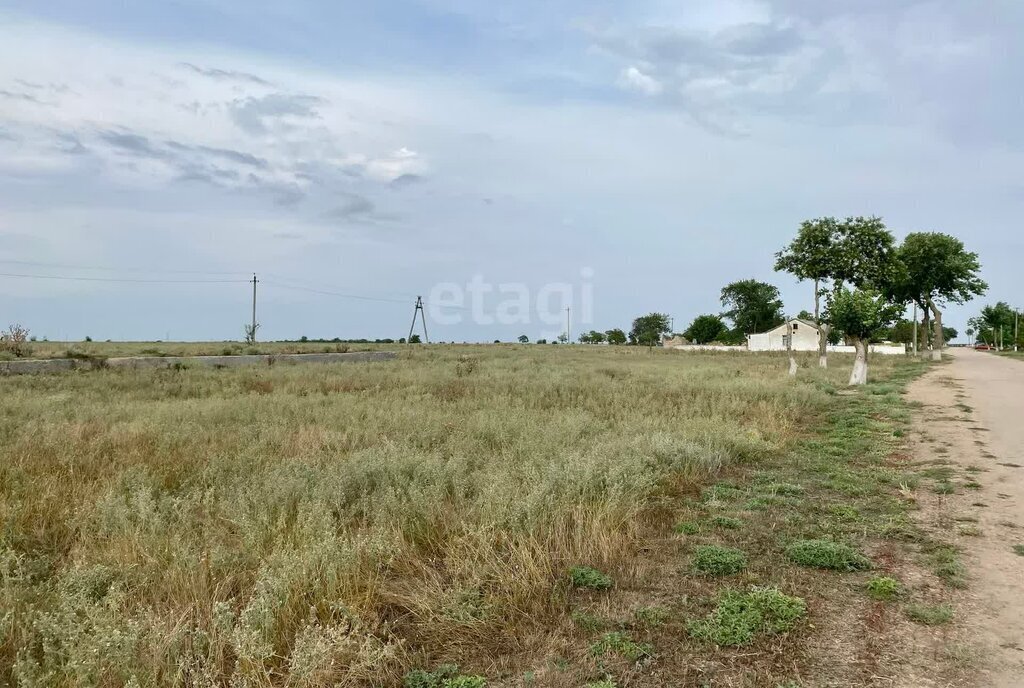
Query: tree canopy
x=861, y=313
x=615, y=336
x=936, y=267
x=752, y=306
x=647, y=329
x=704, y=329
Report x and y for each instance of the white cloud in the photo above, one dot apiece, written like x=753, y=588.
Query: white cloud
x=634, y=79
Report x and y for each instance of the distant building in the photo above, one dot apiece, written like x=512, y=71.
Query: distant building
x=805, y=337
x=674, y=340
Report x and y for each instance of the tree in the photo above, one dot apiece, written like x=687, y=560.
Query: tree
x=933, y=269
x=250, y=333
x=704, y=329
x=615, y=336
x=415, y=339
x=994, y=322
x=752, y=306
x=523, y=339
x=592, y=337
x=949, y=333
x=647, y=329
x=860, y=313
x=857, y=251
x=970, y=335
x=812, y=255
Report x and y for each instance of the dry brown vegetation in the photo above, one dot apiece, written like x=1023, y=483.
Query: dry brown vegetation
x=343, y=525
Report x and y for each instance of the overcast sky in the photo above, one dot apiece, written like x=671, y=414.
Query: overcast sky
x=648, y=151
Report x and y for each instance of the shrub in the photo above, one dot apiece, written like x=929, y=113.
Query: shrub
x=601, y=684
x=620, y=643
x=740, y=616
x=825, y=554
x=591, y=578
x=15, y=341
x=884, y=588
x=718, y=561
x=688, y=528
x=930, y=615
x=1018, y=550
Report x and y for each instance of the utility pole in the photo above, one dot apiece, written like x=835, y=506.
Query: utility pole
x=254, y=281
x=1016, y=328
x=568, y=329
x=418, y=310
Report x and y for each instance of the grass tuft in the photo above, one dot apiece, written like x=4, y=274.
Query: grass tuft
x=826, y=554
x=589, y=578
x=619, y=643
x=718, y=561
x=884, y=588
x=726, y=522
x=740, y=617
x=930, y=615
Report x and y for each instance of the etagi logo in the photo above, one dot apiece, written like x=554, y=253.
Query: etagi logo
x=560, y=306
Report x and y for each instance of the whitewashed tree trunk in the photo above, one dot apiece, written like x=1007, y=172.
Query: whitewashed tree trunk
x=792, y=366
x=939, y=338
x=822, y=329
x=859, y=376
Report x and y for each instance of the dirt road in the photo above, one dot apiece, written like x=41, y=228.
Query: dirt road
x=972, y=414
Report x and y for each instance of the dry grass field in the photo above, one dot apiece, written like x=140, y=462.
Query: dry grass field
x=366, y=524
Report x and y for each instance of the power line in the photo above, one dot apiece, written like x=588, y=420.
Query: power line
x=65, y=266
x=359, y=297
x=121, y=279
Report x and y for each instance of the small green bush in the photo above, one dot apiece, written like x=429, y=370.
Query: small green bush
x=740, y=616
x=727, y=522
x=884, y=588
x=601, y=684
x=826, y=554
x=688, y=528
x=718, y=561
x=930, y=615
x=590, y=578
x=1018, y=550
x=620, y=643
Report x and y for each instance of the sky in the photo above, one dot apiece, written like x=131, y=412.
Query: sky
x=506, y=161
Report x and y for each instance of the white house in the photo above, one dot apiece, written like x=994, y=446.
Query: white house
x=805, y=338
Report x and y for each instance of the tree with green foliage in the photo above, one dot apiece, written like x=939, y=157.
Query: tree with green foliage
x=994, y=322
x=615, y=336
x=856, y=251
x=752, y=306
x=704, y=329
x=932, y=269
x=860, y=313
x=523, y=339
x=812, y=256
x=592, y=337
x=415, y=339
x=648, y=329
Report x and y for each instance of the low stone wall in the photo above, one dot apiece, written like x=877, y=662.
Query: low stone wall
x=59, y=365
